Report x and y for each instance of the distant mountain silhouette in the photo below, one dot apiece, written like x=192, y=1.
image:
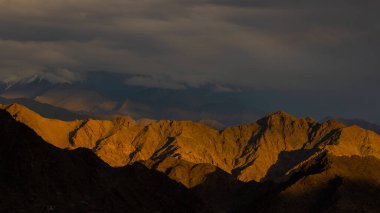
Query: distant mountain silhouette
x=46, y=110
x=362, y=123
x=105, y=94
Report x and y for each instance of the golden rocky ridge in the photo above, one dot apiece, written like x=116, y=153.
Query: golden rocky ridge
x=188, y=152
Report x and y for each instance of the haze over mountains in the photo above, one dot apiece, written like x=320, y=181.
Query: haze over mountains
x=267, y=166
x=104, y=94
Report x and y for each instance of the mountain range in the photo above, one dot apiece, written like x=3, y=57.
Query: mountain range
x=276, y=163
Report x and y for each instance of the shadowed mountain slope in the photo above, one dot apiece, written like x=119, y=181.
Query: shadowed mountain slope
x=37, y=177
x=325, y=183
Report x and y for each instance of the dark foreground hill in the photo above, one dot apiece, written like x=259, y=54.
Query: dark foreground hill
x=35, y=177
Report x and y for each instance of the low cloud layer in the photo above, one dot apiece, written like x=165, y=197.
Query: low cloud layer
x=319, y=47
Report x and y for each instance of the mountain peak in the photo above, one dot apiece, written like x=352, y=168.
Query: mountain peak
x=55, y=77
x=125, y=120
x=16, y=108
x=277, y=118
x=279, y=114
x=212, y=123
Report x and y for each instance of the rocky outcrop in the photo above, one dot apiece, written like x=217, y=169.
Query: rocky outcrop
x=354, y=141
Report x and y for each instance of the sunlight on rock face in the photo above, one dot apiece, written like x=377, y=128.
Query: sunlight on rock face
x=188, y=152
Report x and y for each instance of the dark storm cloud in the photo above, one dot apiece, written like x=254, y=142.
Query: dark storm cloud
x=286, y=46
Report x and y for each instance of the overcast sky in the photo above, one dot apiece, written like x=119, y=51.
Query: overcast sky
x=311, y=57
